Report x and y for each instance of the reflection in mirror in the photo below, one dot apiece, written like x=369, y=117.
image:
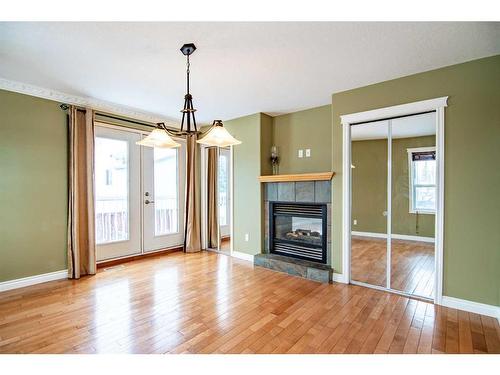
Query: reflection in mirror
x=224, y=199
x=369, y=203
x=212, y=199
x=218, y=199
x=413, y=204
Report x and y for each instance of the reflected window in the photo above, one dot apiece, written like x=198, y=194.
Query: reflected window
x=223, y=189
x=422, y=168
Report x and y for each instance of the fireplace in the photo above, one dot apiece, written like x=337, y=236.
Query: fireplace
x=298, y=230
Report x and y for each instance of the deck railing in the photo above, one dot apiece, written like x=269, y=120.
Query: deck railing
x=112, y=221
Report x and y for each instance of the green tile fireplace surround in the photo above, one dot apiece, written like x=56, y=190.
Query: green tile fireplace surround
x=297, y=192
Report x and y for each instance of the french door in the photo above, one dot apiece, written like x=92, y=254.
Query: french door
x=139, y=195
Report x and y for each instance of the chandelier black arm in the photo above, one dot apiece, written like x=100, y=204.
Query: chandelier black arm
x=181, y=133
x=178, y=133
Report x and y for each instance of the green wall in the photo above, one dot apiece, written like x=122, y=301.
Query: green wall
x=369, y=187
x=311, y=128
x=472, y=175
x=33, y=186
x=247, y=193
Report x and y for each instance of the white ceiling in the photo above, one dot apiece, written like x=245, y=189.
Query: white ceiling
x=404, y=127
x=239, y=68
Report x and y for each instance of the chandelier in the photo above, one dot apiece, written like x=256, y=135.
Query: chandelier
x=161, y=137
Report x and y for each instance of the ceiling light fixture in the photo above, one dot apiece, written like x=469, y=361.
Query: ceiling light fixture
x=162, y=136
x=218, y=136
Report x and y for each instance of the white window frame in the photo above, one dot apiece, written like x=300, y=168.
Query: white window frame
x=412, y=209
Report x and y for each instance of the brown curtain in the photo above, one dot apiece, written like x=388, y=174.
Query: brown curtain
x=192, y=232
x=81, y=240
x=212, y=222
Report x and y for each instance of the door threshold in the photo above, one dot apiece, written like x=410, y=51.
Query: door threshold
x=393, y=291
x=129, y=258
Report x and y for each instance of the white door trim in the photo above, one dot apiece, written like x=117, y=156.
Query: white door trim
x=231, y=200
x=438, y=105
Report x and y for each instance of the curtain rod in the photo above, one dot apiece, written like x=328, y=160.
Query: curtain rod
x=127, y=120
x=65, y=107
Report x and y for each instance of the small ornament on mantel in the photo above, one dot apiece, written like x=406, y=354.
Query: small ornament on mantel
x=275, y=159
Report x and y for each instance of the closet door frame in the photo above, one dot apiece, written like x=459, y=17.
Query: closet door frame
x=438, y=105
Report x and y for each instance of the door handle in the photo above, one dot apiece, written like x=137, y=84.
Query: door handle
x=147, y=201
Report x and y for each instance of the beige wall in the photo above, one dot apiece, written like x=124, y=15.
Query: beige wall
x=369, y=187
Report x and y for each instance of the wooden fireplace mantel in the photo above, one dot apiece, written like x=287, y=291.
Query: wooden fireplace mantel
x=320, y=176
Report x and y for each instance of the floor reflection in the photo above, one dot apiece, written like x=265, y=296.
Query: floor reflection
x=112, y=318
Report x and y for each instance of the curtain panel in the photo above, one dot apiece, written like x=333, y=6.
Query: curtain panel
x=81, y=235
x=192, y=231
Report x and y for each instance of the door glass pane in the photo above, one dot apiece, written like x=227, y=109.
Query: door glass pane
x=412, y=232
x=223, y=189
x=166, y=191
x=111, y=190
x=369, y=203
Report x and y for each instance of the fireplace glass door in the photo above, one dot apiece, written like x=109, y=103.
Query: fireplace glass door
x=298, y=230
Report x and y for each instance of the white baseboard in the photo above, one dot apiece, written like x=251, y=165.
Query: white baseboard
x=32, y=280
x=394, y=235
x=470, y=306
x=243, y=256
x=339, y=278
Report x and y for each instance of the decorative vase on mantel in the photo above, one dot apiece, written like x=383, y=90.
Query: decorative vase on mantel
x=275, y=160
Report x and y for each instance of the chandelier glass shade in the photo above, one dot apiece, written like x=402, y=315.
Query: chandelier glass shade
x=218, y=136
x=158, y=138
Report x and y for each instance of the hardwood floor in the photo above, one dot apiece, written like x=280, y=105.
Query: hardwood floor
x=225, y=245
x=211, y=303
x=412, y=269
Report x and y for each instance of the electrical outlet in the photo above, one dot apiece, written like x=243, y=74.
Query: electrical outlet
x=246, y=237
x=308, y=152
x=301, y=153
x=355, y=222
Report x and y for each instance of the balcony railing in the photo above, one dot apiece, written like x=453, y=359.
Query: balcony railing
x=112, y=221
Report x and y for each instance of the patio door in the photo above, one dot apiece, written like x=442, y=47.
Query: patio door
x=139, y=195
x=117, y=188
x=163, y=188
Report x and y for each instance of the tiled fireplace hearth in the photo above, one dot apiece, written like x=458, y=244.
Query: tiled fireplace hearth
x=298, y=229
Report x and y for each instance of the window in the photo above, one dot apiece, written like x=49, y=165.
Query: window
x=111, y=190
x=166, y=191
x=108, y=177
x=422, y=173
x=223, y=191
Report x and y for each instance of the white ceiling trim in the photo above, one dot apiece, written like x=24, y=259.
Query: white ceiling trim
x=87, y=102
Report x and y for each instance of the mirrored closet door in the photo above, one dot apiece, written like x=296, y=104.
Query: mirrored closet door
x=393, y=190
